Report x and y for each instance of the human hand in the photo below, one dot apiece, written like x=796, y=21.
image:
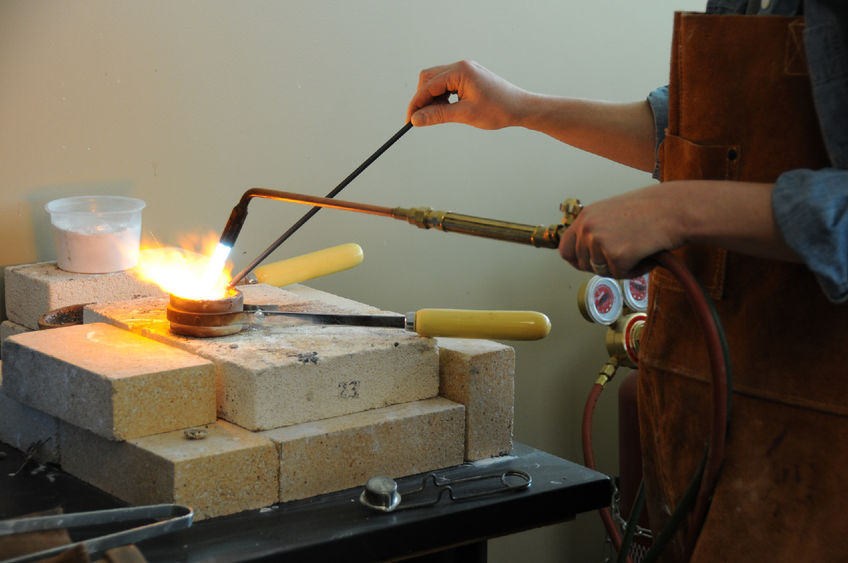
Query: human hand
x=622, y=231
x=485, y=100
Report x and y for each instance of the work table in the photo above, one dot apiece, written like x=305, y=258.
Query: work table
x=335, y=526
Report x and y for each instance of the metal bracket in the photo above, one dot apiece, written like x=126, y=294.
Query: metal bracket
x=381, y=493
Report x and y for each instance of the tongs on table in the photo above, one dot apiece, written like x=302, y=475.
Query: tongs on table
x=176, y=517
x=460, y=323
x=457, y=323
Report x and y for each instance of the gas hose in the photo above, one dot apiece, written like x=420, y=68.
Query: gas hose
x=706, y=475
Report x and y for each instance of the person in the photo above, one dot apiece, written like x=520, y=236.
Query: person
x=750, y=143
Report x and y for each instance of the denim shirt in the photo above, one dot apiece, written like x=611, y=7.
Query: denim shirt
x=810, y=206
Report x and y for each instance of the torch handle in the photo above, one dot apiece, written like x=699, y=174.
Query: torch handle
x=309, y=266
x=495, y=325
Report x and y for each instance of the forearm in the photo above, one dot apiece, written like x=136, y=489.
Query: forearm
x=622, y=132
x=624, y=230
x=733, y=215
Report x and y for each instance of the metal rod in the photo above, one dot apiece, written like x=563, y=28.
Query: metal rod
x=315, y=210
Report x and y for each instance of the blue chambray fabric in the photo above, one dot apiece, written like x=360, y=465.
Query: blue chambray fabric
x=658, y=100
x=810, y=206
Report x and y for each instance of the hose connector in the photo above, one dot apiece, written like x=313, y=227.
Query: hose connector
x=607, y=372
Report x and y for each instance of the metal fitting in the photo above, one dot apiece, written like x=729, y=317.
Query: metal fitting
x=623, y=338
x=570, y=208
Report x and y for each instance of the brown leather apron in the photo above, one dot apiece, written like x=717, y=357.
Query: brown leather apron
x=740, y=108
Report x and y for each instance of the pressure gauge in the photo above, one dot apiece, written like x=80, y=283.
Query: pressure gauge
x=600, y=300
x=635, y=292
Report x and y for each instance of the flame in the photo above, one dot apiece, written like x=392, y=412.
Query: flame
x=193, y=271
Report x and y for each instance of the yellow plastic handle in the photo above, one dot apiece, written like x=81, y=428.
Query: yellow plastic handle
x=495, y=325
x=310, y=266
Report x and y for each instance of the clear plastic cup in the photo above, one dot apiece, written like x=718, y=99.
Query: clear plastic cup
x=96, y=234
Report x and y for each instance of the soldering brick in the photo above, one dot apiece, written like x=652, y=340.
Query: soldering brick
x=110, y=381
x=480, y=374
x=228, y=471
x=23, y=427
x=35, y=289
x=343, y=452
x=9, y=328
x=287, y=371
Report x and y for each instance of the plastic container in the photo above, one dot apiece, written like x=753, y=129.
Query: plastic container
x=96, y=234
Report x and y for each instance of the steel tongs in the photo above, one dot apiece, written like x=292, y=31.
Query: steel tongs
x=178, y=518
x=459, y=323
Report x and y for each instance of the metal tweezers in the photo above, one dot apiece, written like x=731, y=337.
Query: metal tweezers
x=178, y=518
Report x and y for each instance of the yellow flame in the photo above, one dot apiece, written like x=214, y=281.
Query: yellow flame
x=187, y=271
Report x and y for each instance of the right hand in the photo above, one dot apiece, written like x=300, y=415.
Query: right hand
x=485, y=100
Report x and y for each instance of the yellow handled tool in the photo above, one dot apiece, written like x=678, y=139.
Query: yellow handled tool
x=496, y=325
x=309, y=266
x=458, y=323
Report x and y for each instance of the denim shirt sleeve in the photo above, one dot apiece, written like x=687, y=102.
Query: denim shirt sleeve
x=811, y=207
x=811, y=211
x=658, y=100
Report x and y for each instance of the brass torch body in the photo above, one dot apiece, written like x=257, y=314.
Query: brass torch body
x=449, y=222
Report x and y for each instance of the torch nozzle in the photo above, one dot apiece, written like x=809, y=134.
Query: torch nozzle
x=234, y=223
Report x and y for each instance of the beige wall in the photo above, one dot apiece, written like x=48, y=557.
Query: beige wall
x=187, y=104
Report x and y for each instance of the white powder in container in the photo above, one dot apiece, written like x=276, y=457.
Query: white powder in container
x=97, y=252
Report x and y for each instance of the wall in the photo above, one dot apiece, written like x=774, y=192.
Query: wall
x=187, y=104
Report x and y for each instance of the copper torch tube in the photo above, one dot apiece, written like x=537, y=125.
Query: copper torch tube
x=423, y=217
x=426, y=218
x=317, y=201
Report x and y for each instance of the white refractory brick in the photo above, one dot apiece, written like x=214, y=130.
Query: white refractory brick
x=287, y=371
x=480, y=374
x=9, y=328
x=112, y=382
x=35, y=289
x=23, y=427
x=346, y=451
x=228, y=471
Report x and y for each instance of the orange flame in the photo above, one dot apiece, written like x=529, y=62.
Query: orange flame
x=187, y=271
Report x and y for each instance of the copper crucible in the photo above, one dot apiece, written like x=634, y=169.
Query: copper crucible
x=204, y=318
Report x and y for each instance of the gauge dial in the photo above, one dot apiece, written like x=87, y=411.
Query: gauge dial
x=635, y=292
x=601, y=300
